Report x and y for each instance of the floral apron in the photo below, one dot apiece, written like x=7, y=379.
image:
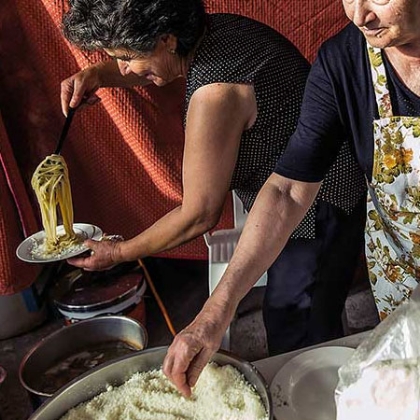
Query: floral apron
x=393, y=210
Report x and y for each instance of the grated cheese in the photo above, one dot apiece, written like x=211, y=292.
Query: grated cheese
x=40, y=250
x=386, y=390
x=221, y=393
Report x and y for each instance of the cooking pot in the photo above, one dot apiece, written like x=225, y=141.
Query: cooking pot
x=117, y=372
x=77, y=347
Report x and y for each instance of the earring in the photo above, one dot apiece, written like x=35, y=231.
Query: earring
x=171, y=51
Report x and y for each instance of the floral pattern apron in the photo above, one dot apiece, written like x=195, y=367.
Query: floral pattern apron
x=393, y=209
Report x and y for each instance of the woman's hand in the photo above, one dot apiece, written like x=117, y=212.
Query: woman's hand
x=80, y=87
x=103, y=255
x=193, y=347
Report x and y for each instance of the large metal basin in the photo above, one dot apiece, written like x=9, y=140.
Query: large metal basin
x=117, y=372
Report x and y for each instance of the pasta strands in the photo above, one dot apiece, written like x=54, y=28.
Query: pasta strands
x=51, y=184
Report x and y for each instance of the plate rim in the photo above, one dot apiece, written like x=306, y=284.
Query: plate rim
x=97, y=233
x=287, y=409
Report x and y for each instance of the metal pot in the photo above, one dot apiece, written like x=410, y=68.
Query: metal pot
x=117, y=372
x=72, y=340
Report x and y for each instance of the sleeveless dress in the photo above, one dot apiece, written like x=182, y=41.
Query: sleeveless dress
x=236, y=49
x=308, y=283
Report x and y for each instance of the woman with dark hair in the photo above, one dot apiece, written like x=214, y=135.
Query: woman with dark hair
x=244, y=86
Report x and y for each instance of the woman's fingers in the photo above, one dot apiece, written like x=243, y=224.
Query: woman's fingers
x=197, y=365
x=177, y=361
x=99, y=258
x=67, y=88
x=190, y=352
x=80, y=88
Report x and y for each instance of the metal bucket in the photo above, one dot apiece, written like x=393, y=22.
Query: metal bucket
x=119, y=371
x=68, y=343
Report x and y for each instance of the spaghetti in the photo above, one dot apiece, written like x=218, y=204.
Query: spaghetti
x=51, y=184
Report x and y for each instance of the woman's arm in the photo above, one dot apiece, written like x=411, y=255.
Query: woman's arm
x=216, y=118
x=280, y=206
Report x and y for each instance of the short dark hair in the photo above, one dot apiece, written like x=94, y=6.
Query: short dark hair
x=133, y=24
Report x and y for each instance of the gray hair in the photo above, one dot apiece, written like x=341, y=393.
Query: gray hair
x=133, y=24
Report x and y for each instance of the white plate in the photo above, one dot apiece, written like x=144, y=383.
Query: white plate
x=24, y=250
x=303, y=389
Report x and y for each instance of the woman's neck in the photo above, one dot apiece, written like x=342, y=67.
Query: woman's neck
x=186, y=61
x=405, y=61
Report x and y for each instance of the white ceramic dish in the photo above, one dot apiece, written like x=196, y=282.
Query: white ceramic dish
x=303, y=388
x=25, y=250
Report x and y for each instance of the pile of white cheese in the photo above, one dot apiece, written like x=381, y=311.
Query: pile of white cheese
x=221, y=393
x=386, y=390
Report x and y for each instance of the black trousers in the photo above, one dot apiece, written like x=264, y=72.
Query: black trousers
x=308, y=283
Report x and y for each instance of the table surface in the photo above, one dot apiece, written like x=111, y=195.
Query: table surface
x=269, y=366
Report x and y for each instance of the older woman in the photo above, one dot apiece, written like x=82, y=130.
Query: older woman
x=365, y=81
x=244, y=84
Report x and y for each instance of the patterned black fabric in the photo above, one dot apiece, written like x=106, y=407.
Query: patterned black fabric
x=236, y=49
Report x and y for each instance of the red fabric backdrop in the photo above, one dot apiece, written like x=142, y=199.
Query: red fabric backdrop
x=124, y=155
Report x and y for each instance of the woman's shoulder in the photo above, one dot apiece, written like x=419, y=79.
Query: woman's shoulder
x=235, y=35
x=216, y=18
x=240, y=26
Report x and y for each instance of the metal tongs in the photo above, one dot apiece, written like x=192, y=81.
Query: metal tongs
x=65, y=130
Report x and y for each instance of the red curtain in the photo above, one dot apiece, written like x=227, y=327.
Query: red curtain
x=125, y=154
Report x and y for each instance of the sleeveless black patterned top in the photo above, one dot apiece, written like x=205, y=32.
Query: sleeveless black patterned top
x=236, y=49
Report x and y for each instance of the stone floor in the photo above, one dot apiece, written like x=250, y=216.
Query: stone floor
x=183, y=287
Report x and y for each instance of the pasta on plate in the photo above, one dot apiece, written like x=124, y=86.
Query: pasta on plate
x=51, y=184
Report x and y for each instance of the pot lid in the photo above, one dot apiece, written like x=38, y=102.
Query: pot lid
x=86, y=291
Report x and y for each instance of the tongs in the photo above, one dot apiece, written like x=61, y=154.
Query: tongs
x=65, y=130
x=44, y=173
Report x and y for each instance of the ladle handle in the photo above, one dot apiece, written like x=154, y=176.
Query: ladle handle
x=65, y=130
